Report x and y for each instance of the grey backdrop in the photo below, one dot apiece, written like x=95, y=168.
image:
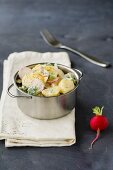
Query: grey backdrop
x=83, y=24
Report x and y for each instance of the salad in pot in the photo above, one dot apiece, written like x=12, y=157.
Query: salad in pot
x=45, y=80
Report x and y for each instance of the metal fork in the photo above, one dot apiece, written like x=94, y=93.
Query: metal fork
x=51, y=40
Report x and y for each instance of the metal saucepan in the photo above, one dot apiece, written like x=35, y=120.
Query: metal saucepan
x=46, y=107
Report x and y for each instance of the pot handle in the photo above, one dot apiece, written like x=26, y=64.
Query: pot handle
x=80, y=74
x=12, y=95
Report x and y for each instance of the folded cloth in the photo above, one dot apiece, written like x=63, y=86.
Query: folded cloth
x=19, y=129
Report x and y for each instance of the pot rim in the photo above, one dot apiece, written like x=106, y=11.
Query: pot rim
x=70, y=69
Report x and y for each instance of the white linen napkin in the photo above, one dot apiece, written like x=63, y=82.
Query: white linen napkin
x=19, y=129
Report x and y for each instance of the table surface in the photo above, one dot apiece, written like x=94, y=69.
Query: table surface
x=88, y=26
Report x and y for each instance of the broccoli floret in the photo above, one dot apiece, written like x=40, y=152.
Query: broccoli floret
x=52, y=76
x=33, y=91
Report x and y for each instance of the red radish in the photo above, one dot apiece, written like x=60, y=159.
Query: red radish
x=98, y=123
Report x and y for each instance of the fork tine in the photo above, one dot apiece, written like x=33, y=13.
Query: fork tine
x=48, y=37
x=47, y=34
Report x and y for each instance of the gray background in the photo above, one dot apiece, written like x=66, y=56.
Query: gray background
x=83, y=24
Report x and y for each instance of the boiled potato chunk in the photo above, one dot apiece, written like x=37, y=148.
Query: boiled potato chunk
x=52, y=91
x=39, y=70
x=27, y=80
x=38, y=76
x=60, y=73
x=66, y=85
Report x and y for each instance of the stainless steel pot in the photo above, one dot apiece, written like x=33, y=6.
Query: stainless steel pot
x=46, y=107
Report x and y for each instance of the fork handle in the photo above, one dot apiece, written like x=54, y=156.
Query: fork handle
x=88, y=58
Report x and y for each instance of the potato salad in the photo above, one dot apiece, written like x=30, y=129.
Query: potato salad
x=45, y=80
